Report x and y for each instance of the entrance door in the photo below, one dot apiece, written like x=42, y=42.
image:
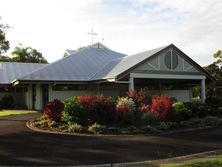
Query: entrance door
x=33, y=96
x=45, y=94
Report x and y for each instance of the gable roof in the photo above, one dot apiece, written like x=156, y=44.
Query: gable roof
x=10, y=71
x=80, y=66
x=119, y=68
x=97, y=62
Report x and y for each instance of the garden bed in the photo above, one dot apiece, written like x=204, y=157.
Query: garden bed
x=44, y=124
x=134, y=113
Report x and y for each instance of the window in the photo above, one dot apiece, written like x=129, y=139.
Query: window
x=171, y=60
x=13, y=89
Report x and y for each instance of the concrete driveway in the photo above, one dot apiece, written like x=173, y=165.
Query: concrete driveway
x=21, y=146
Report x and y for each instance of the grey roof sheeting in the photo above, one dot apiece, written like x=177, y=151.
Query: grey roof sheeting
x=10, y=71
x=80, y=66
x=95, y=62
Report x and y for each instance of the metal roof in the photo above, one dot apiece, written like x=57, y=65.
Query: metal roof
x=10, y=71
x=80, y=66
x=95, y=62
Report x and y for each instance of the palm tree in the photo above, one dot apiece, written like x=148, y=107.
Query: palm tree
x=27, y=54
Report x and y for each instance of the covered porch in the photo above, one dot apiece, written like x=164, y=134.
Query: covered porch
x=172, y=85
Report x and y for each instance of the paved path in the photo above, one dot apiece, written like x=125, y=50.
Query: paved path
x=21, y=146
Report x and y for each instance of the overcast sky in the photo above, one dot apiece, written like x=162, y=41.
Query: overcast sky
x=126, y=26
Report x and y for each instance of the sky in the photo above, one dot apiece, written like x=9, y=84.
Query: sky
x=126, y=26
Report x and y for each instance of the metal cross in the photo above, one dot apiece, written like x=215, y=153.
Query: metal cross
x=92, y=33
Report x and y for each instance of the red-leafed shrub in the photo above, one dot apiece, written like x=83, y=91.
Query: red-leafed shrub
x=103, y=110
x=142, y=102
x=85, y=100
x=87, y=109
x=137, y=96
x=161, y=107
x=53, y=110
x=144, y=108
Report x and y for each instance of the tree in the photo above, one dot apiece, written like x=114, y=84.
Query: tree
x=215, y=69
x=218, y=56
x=27, y=54
x=4, y=43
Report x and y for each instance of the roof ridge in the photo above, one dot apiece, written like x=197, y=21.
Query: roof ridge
x=103, y=67
x=161, y=47
x=108, y=63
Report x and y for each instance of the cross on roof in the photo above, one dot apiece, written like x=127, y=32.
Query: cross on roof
x=92, y=33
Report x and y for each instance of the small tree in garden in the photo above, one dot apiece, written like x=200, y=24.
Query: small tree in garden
x=138, y=96
x=161, y=107
x=141, y=102
x=144, y=108
x=53, y=110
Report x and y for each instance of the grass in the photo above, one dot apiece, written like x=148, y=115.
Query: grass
x=207, y=162
x=14, y=112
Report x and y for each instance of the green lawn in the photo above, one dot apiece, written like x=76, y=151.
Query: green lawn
x=14, y=112
x=207, y=162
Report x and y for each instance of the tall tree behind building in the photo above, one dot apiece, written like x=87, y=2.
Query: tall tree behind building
x=4, y=43
x=27, y=54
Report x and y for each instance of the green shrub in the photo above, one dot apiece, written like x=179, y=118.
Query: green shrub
x=198, y=110
x=181, y=111
x=212, y=110
x=52, y=124
x=73, y=112
x=125, y=109
x=7, y=102
x=150, y=129
x=74, y=127
x=148, y=118
x=163, y=126
x=130, y=130
x=185, y=124
x=195, y=121
x=41, y=123
x=213, y=101
x=167, y=125
x=63, y=128
x=97, y=128
x=127, y=118
x=213, y=121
